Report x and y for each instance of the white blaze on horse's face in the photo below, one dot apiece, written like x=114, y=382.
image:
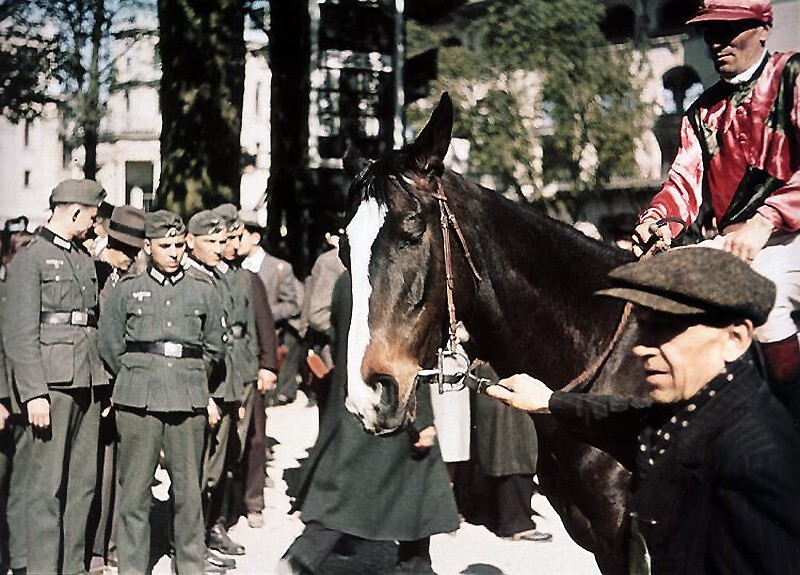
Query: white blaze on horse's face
x=362, y=400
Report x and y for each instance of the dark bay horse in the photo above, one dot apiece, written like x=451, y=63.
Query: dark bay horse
x=532, y=310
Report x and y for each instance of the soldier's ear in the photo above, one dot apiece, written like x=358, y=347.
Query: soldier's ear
x=146, y=246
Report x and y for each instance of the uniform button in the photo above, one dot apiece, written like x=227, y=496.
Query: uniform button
x=83, y=288
x=169, y=324
x=57, y=278
x=167, y=302
x=169, y=364
x=742, y=138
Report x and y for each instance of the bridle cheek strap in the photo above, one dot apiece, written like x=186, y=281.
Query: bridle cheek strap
x=447, y=219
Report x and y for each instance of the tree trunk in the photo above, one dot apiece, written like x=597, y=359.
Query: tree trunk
x=290, y=53
x=91, y=111
x=202, y=86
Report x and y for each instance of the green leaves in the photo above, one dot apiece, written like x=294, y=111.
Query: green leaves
x=541, y=96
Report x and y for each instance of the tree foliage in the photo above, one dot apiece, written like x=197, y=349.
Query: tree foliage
x=26, y=58
x=543, y=96
x=202, y=85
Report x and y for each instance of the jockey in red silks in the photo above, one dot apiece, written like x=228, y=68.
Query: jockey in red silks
x=739, y=161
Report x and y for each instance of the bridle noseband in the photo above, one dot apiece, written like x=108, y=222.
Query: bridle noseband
x=452, y=353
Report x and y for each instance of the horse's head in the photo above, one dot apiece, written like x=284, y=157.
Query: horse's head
x=393, y=249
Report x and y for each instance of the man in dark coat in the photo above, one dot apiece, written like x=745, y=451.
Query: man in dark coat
x=392, y=488
x=716, y=475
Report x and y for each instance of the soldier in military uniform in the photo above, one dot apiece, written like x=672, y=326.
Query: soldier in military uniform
x=161, y=333
x=49, y=330
x=256, y=371
x=206, y=241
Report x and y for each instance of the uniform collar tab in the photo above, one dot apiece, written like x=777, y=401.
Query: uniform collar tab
x=55, y=239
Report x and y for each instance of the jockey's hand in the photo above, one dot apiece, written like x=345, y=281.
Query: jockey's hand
x=745, y=240
x=644, y=231
x=523, y=392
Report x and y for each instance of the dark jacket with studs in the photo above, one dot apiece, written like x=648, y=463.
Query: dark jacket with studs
x=724, y=494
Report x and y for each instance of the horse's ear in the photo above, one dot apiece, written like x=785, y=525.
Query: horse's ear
x=431, y=145
x=353, y=161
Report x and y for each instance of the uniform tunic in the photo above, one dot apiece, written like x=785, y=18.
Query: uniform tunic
x=55, y=357
x=161, y=402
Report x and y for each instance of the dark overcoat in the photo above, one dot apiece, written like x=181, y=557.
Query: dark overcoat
x=504, y=438
x=372, y=487
x=724, y=496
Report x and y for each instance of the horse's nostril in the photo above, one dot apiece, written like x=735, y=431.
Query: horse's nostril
x=389, y=388
x=382, y=379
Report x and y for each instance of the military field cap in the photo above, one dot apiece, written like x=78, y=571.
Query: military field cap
x=83, y=192
x=695, y=281
x=250, y=218
x=163, y=224
x=127, y=226
x=229, y=215
x=733, y=10
x=206, y=223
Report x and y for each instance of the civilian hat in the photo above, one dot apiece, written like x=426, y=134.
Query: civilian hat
x=206, y=223
x=127, y=226
x=16, y=225
x=695, y=281
x=163, y=224
x=229, y=215
x=732, y=10
x=83, y=192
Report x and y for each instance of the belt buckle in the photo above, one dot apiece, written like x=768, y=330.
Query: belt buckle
x=237, y=331
x=172, y=349
x=80, y=318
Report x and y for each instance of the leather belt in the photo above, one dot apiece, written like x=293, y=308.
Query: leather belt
x=80, y=318
x=165, y=348
x=238, y=330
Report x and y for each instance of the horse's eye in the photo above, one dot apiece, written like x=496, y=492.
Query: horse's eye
x=412, y=229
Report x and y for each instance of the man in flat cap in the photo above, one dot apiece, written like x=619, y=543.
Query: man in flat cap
x=50, y=337
x=208, y=234
x=716, y=476
x=739, y=162
x=161, y=332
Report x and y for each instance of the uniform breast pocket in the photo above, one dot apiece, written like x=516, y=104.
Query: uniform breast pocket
x=142, y=321
x=57, y=346
x=195, y=316
x=55, y=287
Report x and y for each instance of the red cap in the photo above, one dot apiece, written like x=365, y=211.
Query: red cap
x=732, y=10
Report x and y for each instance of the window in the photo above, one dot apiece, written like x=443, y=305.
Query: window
x=27, y=179
x=127, y=101
x=27, y=132
x=258, y=99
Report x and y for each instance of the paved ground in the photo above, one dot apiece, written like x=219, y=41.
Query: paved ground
x=472, y=550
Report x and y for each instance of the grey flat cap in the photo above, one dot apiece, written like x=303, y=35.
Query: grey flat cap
x=695, y=281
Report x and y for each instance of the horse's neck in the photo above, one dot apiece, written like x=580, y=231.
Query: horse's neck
x=536, y=310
